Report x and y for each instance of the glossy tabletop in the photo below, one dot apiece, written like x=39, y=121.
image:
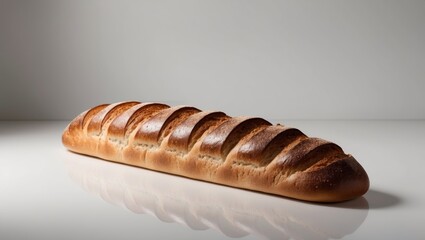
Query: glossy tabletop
x=47, y=192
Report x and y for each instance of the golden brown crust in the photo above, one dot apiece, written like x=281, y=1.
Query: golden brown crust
x=219, y=142
x=125, y=123
x=189, y=131
x=108, y=113
x=242, y=152
x=263, y=147
x=153, y=129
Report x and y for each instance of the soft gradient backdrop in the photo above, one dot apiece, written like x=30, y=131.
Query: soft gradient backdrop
x=275, y=59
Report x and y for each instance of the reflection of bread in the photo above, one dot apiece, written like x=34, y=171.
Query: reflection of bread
x=242, y=152
x=233, y=212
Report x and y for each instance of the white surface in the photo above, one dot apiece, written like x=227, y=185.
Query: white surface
x=47, y=192
x=328, y=59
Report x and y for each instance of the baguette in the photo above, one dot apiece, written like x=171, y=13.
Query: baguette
x=243, y=152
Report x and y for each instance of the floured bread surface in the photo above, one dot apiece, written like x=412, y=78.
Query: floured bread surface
x=242, y=152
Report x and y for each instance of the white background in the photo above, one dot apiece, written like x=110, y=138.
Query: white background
x=275, y=59
x=282, y=60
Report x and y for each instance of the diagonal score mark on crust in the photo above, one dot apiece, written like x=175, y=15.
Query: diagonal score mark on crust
x=261, y=148
x=219, y=142
x=126, y=122
x=106, y=115
x=152, y=131
x=188, y=132
x=308, y=153
x=175, y=120
x=90, y=114
x=137, y=118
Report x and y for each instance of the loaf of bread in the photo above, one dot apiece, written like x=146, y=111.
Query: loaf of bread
x=242, y=152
